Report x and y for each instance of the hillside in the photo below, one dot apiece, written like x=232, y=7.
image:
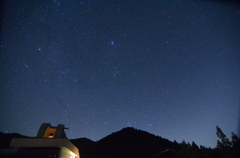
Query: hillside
x=128, y=142
x=134, y=143
x=6, y=139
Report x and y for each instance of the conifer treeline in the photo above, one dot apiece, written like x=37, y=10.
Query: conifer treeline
x=225, y=148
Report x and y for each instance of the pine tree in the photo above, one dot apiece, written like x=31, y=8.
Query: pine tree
x=229, y=148
x=235, y=150
x=224, y=140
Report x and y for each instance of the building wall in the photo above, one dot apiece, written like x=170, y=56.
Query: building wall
x=32, y=145
x=38, y=153
x=64, y=153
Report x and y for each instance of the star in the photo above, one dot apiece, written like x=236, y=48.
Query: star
x=172, y=71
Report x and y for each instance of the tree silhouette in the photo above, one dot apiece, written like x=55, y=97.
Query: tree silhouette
x=230, y=149
x=224, y=140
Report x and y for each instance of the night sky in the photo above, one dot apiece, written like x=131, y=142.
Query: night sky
x=169, y=67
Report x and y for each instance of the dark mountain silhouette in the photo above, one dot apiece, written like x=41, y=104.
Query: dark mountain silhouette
x=5, y=139
x=134, y=143
x=168, y=154
x=83, y=144
x=128, y=142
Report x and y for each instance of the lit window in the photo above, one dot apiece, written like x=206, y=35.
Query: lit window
x=50, y=135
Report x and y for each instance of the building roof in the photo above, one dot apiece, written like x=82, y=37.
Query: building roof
x=63, y=143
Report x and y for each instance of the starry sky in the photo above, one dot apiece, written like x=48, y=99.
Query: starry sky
x=170, y=68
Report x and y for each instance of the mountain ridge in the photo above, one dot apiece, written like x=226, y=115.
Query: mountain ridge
x=134, y=142
x=130, y=142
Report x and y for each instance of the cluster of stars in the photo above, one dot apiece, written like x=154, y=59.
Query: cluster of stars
x=164, y=67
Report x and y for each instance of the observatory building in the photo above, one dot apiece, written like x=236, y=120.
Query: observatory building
x=50, y=142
